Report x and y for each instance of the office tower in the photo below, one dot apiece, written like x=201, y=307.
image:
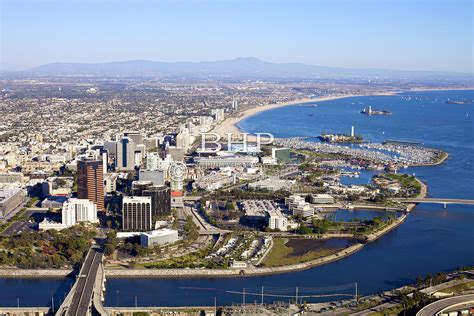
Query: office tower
x=135, y=137
x=160, y=199
x=152, y=142
x=99, y=152
x=78, y=210
x=183, y=139
x=125, y=157
x=139, y=154
x=111, y=147
x=136, y=213
x=153, y=160
x=176, y=153
x=139, y=186
x=90, y=181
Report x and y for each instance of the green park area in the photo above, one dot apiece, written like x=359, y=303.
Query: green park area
x=287, y=252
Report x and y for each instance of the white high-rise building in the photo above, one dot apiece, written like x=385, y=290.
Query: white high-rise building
x=235, y=104
x=218, y=114
x=183, y=139
x=78, y=210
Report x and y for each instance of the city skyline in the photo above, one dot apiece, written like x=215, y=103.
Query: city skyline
x=421, y=35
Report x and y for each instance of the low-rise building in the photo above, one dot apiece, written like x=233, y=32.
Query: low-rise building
x=159, y=237
x=272, y=184
x=48, y=224
x=54, y=202
x=10, y=199
x=276, y=220
x=321, y=199
x=177, y=199
x=299, y=207
x=281, y=155
x=264, y=211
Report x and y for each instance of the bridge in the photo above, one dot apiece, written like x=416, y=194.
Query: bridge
x=214, y=231
x=85, y=297
x=445, y=202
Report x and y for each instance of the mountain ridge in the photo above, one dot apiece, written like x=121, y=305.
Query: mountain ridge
x=238, y=67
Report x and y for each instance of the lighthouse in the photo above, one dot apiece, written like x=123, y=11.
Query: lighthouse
x=352, y=131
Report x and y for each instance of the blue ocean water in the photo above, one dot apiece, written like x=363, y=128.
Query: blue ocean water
x=432, y=239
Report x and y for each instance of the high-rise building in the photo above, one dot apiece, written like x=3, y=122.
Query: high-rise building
x=183, y=139
x=90, y=181
x=235, y=104
x=125, y=157
x=136, y=213
x=78, y=210
x=160, y=199
x=160, y=196
x=218, y=114
x=135, y=137
x=176, y=153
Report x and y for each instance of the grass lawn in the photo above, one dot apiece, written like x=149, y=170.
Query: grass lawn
x=459, y=288
x=280, y=254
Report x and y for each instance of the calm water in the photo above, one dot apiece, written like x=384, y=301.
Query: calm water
x=431, y=240
x=347, y=216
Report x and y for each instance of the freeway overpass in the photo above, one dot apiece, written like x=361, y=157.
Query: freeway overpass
x=86, y=293
x=437, y=201
x=463, y=302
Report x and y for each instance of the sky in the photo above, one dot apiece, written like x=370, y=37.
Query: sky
x=432, y=35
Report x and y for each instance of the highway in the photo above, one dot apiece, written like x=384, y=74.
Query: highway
x=444, y=304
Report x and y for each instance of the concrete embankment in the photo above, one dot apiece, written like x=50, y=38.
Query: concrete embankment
x=380, y=233
x=35, y=273
x=230, y=272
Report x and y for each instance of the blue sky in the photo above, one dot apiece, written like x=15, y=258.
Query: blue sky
x=403, y=34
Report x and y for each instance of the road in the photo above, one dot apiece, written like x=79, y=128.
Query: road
x=441, y=305
x=24, y=225
x=82, y=296
x=433, y=289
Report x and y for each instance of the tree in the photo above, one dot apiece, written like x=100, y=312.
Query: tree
x=111, y=243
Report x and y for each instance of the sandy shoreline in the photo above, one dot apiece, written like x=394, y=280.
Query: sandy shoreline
x=229, y=125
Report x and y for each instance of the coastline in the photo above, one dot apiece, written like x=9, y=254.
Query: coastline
x=229, y=125
x=200, y=273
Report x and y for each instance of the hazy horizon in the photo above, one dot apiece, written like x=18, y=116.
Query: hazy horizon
x=419, y=35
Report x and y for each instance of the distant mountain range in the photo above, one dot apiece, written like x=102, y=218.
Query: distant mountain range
x=249, y=67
